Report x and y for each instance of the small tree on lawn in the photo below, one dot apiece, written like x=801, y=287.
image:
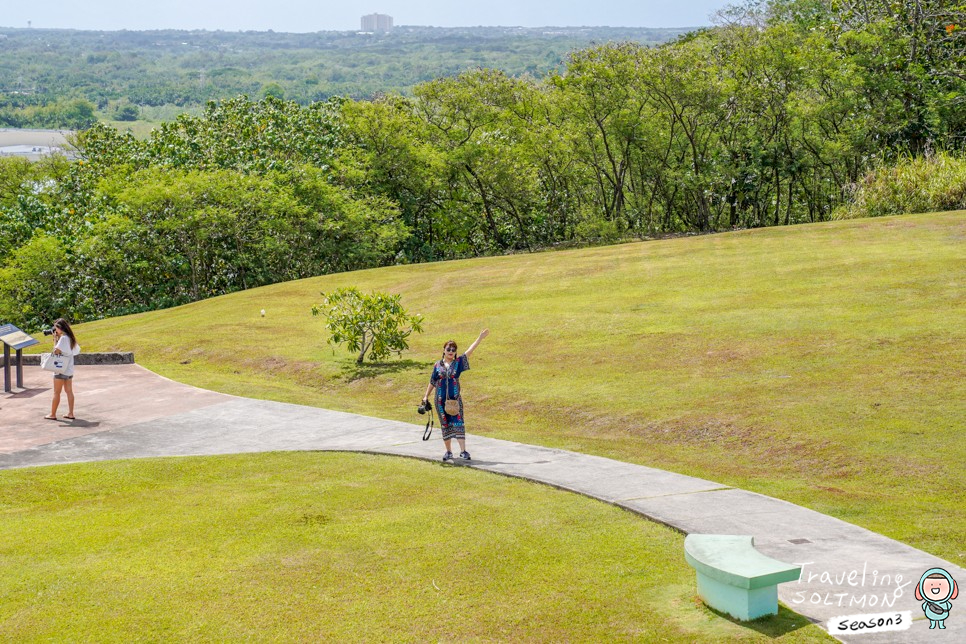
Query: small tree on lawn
x=375, y=324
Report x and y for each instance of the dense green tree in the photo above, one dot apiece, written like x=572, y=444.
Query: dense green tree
x=914, y=55
x=74, y=114
x=390, y=146
x=493, y=188
x=14, y=172
x=35, y=283
x=208, y=232
x=911, y=53
x=274, y=90
x=607, y=114
x=240, y=134
x=127, y=113
x=344, y=231
x=792, y=126
x=373, y=324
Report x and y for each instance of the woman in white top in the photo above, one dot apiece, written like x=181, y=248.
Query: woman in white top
x=65, y=344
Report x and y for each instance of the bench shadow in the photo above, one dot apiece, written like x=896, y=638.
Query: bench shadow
x=785, y=622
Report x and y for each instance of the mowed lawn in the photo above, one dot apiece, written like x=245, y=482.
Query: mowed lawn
x=338, y=548
x=822, y=364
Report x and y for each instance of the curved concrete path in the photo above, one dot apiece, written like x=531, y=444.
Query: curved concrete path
x=130, y=412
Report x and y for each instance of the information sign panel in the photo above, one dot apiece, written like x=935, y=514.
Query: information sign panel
x=14, y=338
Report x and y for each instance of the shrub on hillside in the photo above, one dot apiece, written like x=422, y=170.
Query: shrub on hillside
x=921, y=184
x=374, y=324
x=34, y=285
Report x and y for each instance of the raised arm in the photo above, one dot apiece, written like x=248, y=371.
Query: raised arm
x=476, y=343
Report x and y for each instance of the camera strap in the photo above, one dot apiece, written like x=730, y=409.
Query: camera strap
x=429, y=425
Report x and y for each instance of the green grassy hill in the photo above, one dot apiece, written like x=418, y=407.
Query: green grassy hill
x=821, y=364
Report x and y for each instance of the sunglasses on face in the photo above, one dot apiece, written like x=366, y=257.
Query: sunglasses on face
x=450, y=350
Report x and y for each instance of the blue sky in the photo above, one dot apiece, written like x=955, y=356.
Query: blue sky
x=324, y=15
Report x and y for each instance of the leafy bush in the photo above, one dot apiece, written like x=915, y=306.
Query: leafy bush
x=34, y=285
x=374, y=323
x=127, y=113
x=921, y=184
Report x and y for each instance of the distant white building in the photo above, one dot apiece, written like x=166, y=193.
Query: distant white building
x=377, y=22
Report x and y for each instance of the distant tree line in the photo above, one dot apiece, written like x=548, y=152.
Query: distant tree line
x=42, y=67
x=775, y=117
x=36, y=112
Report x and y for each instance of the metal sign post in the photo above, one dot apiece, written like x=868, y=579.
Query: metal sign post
x=14, y=338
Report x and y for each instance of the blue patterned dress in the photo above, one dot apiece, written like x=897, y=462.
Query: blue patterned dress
x=447, y=383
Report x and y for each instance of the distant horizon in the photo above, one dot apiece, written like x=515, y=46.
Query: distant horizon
x=313, y=16
x=359, y=31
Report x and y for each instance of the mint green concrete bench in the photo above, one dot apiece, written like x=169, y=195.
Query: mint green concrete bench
x=733, y=577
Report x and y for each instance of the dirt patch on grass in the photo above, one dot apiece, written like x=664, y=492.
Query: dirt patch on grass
x=728, y=443
x=700, y=430
x=271, y=363
x=832, y=490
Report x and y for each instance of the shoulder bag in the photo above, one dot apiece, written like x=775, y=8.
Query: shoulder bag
x=57, y=364
x=452, y=405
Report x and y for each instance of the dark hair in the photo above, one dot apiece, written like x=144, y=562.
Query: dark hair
x=448, y=343
x=64, y=326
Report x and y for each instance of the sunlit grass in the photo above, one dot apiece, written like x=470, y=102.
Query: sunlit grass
x=822, y=364
x=337, y=547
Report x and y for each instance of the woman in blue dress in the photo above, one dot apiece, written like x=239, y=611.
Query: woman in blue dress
x=446, y=380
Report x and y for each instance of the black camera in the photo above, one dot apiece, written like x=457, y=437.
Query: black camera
x=48, y=331
x=424, y=407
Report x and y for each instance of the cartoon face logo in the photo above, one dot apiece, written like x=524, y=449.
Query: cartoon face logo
x=936, y=589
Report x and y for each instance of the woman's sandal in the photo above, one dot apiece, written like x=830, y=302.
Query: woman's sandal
x=49, y=417
x=70, y=418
